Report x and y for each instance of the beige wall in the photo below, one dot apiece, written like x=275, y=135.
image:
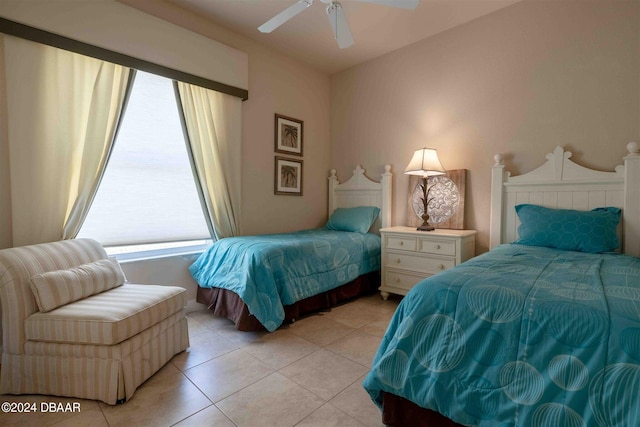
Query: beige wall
x=518, y=81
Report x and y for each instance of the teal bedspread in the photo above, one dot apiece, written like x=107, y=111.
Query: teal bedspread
x=520, y=336
x=270, y=271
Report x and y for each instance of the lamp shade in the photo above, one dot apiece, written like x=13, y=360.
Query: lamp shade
x=425, y=163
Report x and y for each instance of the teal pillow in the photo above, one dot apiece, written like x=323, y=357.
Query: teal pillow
x=592, y=231
x=358, y=219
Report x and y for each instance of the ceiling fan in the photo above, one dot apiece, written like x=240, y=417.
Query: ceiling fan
x=337, y=19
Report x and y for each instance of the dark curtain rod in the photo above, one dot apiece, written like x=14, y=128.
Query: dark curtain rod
x=40, y=36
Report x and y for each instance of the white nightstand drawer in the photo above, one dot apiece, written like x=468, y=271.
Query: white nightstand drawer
x=418, y=263
x=401, y=242
x=439, y=247
x=401, y=280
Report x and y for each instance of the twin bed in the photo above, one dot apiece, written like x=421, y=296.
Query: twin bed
x=260, y=282
x=544, y=329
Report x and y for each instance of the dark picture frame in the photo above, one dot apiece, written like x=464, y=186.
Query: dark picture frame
x=287, y=179
x=289, y=135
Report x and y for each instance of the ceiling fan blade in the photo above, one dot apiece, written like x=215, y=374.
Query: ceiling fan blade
x=284, y=16
x=339, y=25
x=404, y=4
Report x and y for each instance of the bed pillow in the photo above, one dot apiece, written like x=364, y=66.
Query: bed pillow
x=358, y=219
x=592, y=231
x=57, y=288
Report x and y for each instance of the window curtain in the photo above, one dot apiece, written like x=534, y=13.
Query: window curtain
x=63, y=112
x=212, y=122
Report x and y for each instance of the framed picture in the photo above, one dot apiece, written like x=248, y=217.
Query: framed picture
x=289, y=135
x=288, y=176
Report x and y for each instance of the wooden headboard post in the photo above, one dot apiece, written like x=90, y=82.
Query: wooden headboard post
x=361, y=191
x=562, y=184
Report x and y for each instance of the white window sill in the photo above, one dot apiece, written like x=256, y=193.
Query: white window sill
x=134, y=253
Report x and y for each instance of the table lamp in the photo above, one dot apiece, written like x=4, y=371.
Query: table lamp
x=425, y=163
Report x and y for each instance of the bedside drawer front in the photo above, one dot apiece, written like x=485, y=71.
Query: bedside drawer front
x=401, y=280
x=418, y=263
x=401, y=242
x=439, y=247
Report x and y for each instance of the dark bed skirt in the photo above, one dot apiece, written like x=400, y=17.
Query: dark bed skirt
x=400, y=412
x=228, y=304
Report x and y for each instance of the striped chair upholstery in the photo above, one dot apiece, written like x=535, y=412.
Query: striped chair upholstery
x=100, y=347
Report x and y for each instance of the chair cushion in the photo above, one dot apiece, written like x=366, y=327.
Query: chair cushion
x=54, y=289
x=109, y=317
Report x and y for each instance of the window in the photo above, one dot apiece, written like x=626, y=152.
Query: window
x=148, y=194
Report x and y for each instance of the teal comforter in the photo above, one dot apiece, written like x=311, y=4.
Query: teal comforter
x=520, y=336
x=274, y=270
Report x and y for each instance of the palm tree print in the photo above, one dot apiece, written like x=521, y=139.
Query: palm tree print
x=289, y=176
x=289, y=136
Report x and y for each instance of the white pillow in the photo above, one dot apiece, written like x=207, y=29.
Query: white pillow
x=57, y=288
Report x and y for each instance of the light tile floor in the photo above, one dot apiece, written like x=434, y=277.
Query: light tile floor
x=305, y=374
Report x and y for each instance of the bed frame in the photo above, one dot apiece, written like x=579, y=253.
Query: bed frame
x=558, y=183
x=357, y=191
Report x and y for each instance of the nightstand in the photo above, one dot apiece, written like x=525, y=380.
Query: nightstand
x=408, y=255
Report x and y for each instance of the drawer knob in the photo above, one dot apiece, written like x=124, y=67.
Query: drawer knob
x=397, y=260
x=401, y=243
x=441, y=266
x=437, y=246
x=397, y=280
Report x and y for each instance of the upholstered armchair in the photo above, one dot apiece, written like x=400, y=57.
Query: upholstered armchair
x=72, y=326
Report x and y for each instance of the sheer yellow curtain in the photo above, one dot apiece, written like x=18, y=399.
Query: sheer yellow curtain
x=63, y=111
x=213, y=123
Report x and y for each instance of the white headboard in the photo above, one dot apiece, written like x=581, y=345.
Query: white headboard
x=563, y=184
x=361, y=191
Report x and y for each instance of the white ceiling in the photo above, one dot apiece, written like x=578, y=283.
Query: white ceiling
x=308, y=37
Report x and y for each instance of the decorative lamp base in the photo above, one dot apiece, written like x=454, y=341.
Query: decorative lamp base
x=426, y=227
x=425, y=219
